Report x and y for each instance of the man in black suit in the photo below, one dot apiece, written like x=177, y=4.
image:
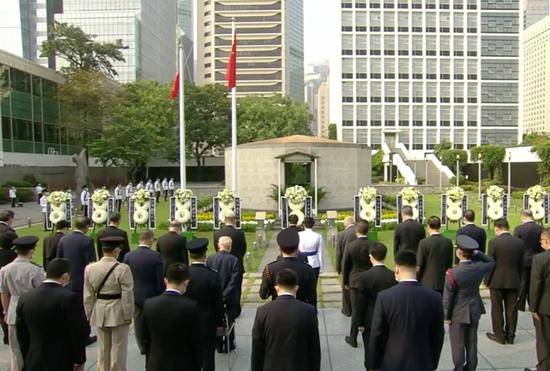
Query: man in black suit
x=504, y=282
x=113, y=230
x=238, y=246
x=293, y=222
x=529, y=231
x=229, y=269
x=356, y=261
x=371, y=282
x=147, y=272
x=51, y=327
x=472, y=230
x=172, y=246
x=7, y=255
x=540, y=301
x=434, y=257
x=79, y=250
x=52, y=242
x=344, y=238
x=282, y=322
x=171, y=326
x=206, y=289
x=407, y=324
x=288, y=241
x=408, y=233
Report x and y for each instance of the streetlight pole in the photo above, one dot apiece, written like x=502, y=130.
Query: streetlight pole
x=457, y=170
x=509, y=176
x=479, y=176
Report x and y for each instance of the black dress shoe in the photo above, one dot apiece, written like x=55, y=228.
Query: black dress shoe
x=6, y=341
x=495, y=338
x=350, y=341
x=91, y=340
x=510, y=340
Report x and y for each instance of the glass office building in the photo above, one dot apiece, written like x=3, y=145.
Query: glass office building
x=430, y=70
x=30, y=109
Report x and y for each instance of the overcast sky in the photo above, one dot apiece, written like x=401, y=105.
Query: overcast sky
x=321, y=35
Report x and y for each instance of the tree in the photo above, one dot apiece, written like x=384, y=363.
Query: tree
x=332, y=132
x=378, y=163
x=491, y=158
x=81, y=51
x=261, y=118
x=542, y=149
x=142, y=126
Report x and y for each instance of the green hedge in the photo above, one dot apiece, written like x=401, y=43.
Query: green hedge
x=23, y=195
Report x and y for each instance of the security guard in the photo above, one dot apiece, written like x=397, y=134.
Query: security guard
x=462, y=303
x=17, y=278
x=288, y=241
x=206, y=289
x=109, y=304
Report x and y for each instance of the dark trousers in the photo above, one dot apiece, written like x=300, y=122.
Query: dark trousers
x=157, y=196
x=209, y=353
x=85, y=210
x=346, y=303
x=464, y=345
x=138, y=329
x=118, y=205
x=524, y=288
x=3, y=324
x=504, y=303
x=165, y=195
x=316, y=271
x=354, y=298
x=13, y=201
x=542, y=331
x=365, y=335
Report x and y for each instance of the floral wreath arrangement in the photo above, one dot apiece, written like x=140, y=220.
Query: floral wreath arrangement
x=57, y=200
x=410, y=196
x=367, y=202
x=183, y=205
x=535, y=195
x=100, y=200
x=455, y=196
x=296, y=196
x=141, y=207
x=227, y=203
x=495, y=208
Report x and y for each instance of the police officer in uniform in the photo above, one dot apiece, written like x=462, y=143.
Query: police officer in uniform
x=17, y=278
x=288, y=241
x=462, y=304
x=7, y=255
x=206, y=289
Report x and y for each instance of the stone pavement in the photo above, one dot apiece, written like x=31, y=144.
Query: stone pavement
x=29, y=209
x=338, y=356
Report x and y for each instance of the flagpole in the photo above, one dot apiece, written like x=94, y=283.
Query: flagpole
x=181, y=63
x=234, y=126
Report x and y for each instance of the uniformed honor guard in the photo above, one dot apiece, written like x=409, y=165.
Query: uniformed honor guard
x=118, y=198
x=84, y=200
x=150, y=187
x=158, y=189
x=462, y=304
x=205, y=288
x=109, y=304
x=165, y=189
x=17, y=278
x=171, y=186
x=139, y=186
x=129, y=192
x=288, y=241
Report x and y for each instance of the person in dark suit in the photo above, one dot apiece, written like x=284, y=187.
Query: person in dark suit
x=371, y=282
x=238, y=246
x=171, y=326
x=356, y=261
x=462, y=304
x=206, y=289
x=113, y=230
x=504, y=282
x=293, y=223
x=7, y=255
x=288, y=241
x=434, y=257
x=344, y=238
x=172, y=246
x=285, y=334
x=408, y=233
x=147, y=272
x=229, y=269
x=51, y=327
x=407, y=324
x=79, y=250
x=471, y=230
x=529, y=231
x=51, y=242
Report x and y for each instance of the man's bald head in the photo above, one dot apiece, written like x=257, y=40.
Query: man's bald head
x=348, y=220
x=224, y=243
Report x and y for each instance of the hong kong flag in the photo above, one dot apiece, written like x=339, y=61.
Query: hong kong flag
x=231, y=73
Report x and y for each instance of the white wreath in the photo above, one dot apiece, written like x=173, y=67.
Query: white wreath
x=537, y=208
x=454, y=210
x=296, y=209
x=138, y=206
x=494, y=209
x=56, y=216
x=101, y=205
x=141, y=216
x=182, y=214
x=99, y=216
x=368, y=210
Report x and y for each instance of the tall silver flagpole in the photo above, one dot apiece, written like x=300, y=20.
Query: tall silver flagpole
x=181, y=69
x=234, y=125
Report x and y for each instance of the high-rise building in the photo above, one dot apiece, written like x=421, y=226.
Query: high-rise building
x=323, y=112
x=271, y=47
x=185, y=25
x=316, y=75
x=146, y=27
x=534, y=11
x=429, y=71
x=536, y=103
x=24, y=26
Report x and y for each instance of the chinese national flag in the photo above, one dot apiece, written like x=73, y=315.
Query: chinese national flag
x=231, y=73
x=175, y=90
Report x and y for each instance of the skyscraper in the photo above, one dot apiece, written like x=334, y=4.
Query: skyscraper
x=270, y=39
x=24, y=26
x=185, y=25
x=534, y=11
x=430, y=70
x=146, y=27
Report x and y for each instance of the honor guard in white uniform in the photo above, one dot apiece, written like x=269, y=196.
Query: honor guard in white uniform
x=164, y=185
x=171, y=187
x=84, y=200
x=158, y=189
x=118, y=197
